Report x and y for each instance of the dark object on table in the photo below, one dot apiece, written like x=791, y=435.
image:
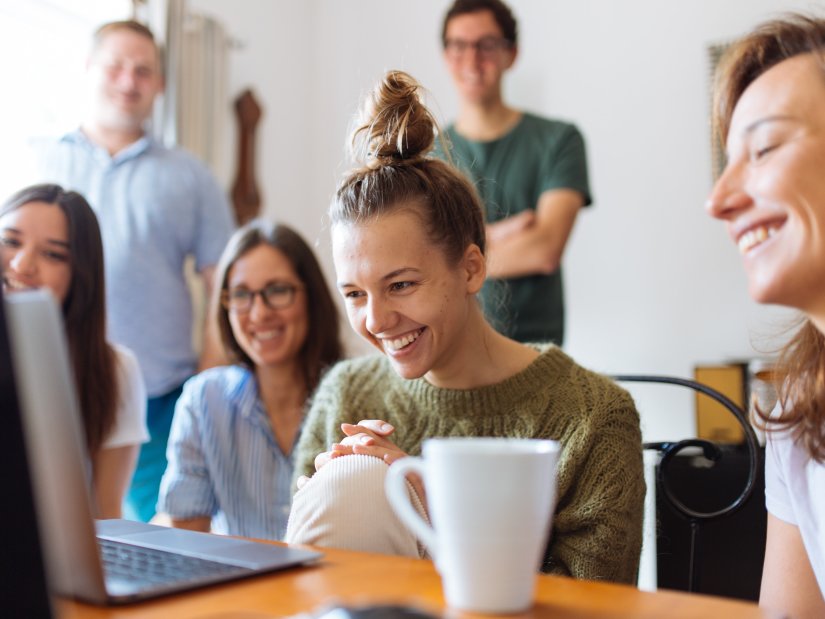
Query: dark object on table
x=373, y=612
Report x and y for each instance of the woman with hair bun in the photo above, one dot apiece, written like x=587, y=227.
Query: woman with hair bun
x=408, y=247
x=770, y=111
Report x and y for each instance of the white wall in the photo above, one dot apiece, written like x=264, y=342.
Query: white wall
x=653, y=285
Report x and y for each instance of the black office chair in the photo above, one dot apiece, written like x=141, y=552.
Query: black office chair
x=668, y=450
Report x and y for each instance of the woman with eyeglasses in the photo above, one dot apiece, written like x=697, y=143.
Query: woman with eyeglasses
x=232, y=438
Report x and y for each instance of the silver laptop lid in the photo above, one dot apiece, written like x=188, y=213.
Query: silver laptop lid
x=24, y=591
x=61, y=478
x=55, y=443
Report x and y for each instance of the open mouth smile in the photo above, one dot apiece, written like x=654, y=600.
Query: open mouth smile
x=394, y=345
x=264, y=336
x=11, y=283
x=755, y=237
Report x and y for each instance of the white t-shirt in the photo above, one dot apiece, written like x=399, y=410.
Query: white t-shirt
x=795, y=493
x=130, y=417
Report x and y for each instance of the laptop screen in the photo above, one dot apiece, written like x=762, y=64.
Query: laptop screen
x=23, y=588
x=53, y=435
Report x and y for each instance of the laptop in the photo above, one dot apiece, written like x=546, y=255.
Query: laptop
x=108, y=561
x=23, y=588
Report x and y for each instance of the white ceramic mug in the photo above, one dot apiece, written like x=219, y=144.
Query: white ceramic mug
x=491, y=503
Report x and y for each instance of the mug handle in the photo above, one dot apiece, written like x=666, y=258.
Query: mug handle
x=398, y=496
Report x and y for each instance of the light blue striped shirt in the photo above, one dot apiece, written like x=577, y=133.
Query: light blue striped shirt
x=224, y=460
x=156, y=206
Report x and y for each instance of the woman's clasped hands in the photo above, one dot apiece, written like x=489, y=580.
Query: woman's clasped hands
x=368, y=437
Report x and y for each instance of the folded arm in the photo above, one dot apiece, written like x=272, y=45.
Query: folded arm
x=523, y=245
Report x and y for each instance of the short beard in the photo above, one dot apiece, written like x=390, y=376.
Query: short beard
x=108, y=117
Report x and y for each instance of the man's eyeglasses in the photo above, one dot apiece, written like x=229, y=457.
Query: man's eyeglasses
x=276, y=295
x=487, y=47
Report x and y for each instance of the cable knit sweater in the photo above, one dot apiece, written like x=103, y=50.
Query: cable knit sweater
x=597, y=529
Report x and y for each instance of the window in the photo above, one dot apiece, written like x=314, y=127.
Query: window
x=44, y=44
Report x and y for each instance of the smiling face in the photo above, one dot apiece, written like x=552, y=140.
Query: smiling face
x=270, y=337
x=125, y=76
x=477, y=73
x=34, y=245
x=402, y=295
x=772, y=192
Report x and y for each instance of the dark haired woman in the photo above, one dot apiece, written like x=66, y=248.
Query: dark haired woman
x=231, y=444
x=770, y=111
x=49, y=238
x=408, y=246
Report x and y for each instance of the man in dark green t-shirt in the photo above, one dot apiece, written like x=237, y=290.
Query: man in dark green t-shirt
x=531, y=173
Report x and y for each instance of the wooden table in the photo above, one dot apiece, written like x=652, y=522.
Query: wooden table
x=346, y=577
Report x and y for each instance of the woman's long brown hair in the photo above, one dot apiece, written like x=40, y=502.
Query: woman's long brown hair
x=94, y=362
x=323, y=346
x=800, y=370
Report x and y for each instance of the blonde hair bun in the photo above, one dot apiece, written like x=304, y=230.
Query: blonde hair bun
x=395, y=126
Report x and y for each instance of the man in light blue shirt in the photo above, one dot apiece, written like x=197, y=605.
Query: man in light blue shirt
x=156, y=207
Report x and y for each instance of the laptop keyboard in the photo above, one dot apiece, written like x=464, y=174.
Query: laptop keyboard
x=147, y=565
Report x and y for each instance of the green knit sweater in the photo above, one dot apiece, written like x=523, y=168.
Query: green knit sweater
x=597, y=529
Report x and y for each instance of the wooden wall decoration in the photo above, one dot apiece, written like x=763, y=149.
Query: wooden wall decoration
x=246, y=198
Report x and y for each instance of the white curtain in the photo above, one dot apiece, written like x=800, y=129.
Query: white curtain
x=193, y=113
x=203, y=89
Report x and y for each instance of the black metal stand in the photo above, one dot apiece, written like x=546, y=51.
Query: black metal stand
x=711, y=452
